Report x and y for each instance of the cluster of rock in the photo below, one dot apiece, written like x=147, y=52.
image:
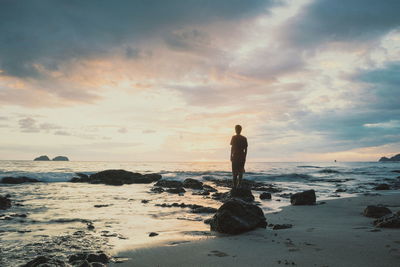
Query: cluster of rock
x=178, y=187
x=46, y=158
x=18, y=180
x=81, y=260
x=385, y=217
x=116, y=177
x=394, y=158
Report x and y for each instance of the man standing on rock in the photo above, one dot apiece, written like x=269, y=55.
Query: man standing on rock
x=238, y=156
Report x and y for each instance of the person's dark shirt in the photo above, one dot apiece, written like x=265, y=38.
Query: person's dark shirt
x=239, y=144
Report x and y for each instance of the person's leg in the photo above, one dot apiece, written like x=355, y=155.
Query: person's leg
x=235, y=180
x=239, y=183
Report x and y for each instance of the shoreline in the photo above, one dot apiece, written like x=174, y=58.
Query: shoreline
x=332, y=234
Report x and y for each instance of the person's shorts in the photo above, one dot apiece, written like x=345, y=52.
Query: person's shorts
x=238, y=166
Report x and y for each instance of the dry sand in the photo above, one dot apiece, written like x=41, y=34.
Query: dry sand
x=331, y=234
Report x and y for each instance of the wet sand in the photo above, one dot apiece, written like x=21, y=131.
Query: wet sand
x=331, y=234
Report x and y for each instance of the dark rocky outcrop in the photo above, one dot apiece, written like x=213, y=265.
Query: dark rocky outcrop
x=382, y=187
x=209, y=188
x=376, y=211
x=237, y=216
x=18, y=180
x=153, y=234
x=388, y=221
x=303, y=198
x=394, y=158
x=157, y=190
x=265, y=195
x=204, y=210
x=42, y=158
x=194, y=207
x=45, y=261
x=192, y=183
x=60, y=158
x=252, y=185
x=5, y=203
x=169, y=183
x=117, y=177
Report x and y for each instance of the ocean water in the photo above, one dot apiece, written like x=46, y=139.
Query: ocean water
x=52, y=217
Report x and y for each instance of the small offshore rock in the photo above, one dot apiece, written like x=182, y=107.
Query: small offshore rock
x=204, y=210
x=153, y=234
x=281, y=226
x=303, y=198
x=169, y=183
x=340, y=190
x=100, y=257
x=177, y=190
x=144, y=201
x=192, y=183
x=60, y=158
x=382, y=187
x=18, y=180
x=42, y=158
x=388, y=221
x=5, y=203
x=157, y=189
x=265, y=195
x=376, y=211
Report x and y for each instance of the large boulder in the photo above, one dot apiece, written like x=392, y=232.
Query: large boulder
x=237, y=216
x=376, y=211
x=5, y=203
x=60, y=158
x=388, y=221
x=42, y=158
x=18, y=180
x=303, y=198
x=120, y=177
x=169, y=183
x=192, y=183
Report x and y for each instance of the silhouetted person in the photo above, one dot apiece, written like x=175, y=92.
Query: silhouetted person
x=238, y=156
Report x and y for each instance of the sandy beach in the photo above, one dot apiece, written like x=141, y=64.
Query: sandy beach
x=331, y=234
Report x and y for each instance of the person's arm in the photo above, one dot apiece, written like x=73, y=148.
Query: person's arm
x=245, y=151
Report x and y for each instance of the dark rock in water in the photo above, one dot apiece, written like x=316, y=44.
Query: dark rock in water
x=265, y=195
x=303, y=198
x=394, y=158
x=157, y=189
x=83, y=263
x=18, y=180
x=376, y=211
x=281, y=226
x=192, y=183
x=177, y=190
x=237, y=216
x=285, y=195
x=208, y=221
x=5, y=203
x=169, y=183
x=396, y=171
x=44, y=261
x=267, y=189
x=382, y=187
x=100, y=257
x=153, y=234
x=119, y=177
x=209, y=188
x=42, y=158
x=60, y=158
x=339, y=190
x=204, y=210
x=144, y=201
x=242, y=193
x=201, y=193
x=388, y=221
x=77, y=257
x=221, y=196
x=82, y=175
x=97, y=264
x=102, y=205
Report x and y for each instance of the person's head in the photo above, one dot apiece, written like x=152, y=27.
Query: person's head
x=238, y=129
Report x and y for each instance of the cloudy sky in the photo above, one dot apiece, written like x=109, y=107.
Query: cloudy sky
x=309, y=80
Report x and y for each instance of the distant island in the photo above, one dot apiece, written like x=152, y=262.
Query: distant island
x=46, y=158
x=394, y=158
